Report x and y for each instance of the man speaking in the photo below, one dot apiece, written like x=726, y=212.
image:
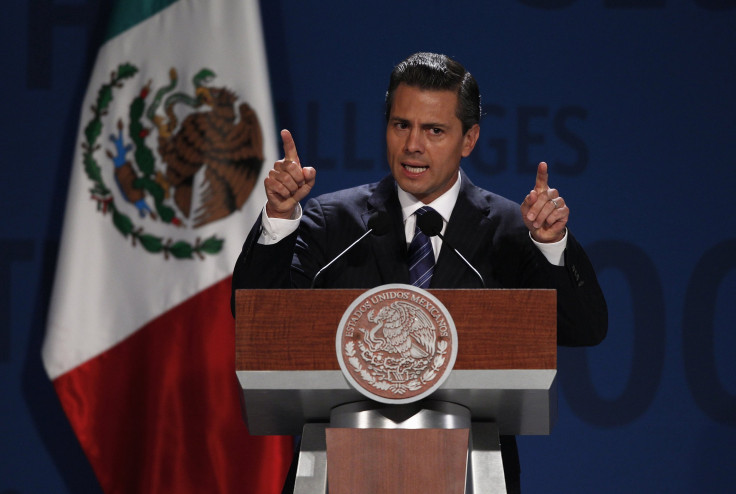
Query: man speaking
x=480, y=239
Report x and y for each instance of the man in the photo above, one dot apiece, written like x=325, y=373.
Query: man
x=433, y=114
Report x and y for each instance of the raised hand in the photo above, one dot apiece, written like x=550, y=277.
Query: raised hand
x=287, y=183
x=544, y=211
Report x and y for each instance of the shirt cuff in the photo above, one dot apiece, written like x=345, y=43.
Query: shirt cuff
x=555, y=251
x=273, y=230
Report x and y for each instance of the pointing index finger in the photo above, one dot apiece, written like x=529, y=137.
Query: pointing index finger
x=290, y=153
x=542, y=178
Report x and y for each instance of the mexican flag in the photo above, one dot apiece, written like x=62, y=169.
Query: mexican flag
x=176, y=135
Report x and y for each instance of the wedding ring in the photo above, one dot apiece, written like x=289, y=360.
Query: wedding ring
x=554, y=201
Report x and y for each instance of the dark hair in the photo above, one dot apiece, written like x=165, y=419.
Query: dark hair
x=433, y=71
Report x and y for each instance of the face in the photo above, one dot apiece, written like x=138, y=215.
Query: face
x=425, y=141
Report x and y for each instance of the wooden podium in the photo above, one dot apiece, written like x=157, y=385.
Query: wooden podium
x=504, y=377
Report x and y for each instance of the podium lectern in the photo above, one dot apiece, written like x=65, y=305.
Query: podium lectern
x=503, y=382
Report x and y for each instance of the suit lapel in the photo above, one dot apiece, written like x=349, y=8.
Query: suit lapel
x=468, y=223
x=389, y=249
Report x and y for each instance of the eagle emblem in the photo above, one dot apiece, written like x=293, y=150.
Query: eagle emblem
x=181, y=155
x=396, y=343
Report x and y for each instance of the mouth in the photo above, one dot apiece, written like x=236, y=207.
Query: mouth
x=414, y=169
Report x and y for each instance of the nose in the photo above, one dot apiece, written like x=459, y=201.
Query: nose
x=414, y=141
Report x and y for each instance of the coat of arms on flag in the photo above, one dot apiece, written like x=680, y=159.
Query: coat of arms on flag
x=202, y=166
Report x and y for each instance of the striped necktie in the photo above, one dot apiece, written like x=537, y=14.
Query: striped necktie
x=421, y=256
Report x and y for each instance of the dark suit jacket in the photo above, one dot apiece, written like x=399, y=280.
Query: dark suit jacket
x=485, y=227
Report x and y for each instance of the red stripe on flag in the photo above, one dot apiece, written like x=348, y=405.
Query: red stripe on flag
x=160, y=411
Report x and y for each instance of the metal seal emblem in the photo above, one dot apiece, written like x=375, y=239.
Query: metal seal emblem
x=396, y=343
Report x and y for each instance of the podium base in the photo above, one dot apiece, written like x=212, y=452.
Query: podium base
x=366, y=454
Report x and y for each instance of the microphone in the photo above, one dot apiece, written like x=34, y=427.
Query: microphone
x=378, y=224
x=431, y=224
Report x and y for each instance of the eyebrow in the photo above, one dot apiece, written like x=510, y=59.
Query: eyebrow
x=427, y=125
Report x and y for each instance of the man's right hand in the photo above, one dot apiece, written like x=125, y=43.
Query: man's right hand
x=287, y=183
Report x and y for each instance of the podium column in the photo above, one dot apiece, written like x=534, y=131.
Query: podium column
x=428, y=447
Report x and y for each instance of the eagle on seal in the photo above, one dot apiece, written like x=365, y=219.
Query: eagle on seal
x=406, y=330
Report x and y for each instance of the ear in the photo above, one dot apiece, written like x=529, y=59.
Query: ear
x=469, y=140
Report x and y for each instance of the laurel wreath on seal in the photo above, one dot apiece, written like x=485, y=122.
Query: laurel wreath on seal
x=413, y=385
x=180, y=249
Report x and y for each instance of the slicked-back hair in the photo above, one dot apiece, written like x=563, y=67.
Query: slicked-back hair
x=433, y=71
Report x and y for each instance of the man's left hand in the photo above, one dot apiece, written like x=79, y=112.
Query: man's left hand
x=544, y=211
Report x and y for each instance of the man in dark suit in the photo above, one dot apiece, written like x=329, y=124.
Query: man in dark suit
x=433, y=113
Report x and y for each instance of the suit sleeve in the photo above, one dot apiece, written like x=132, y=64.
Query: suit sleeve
x=262, y=266
x=289, y=263
x=514, y=261
x=582, y=313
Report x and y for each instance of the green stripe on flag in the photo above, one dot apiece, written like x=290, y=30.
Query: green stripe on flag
x=128, y=13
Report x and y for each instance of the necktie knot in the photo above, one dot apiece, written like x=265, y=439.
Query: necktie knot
x=424, y=209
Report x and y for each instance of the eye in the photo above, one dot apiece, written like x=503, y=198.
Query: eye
x=435, y=131
x=401, y=125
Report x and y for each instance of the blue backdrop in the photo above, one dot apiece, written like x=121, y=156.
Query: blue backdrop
x=631, y=102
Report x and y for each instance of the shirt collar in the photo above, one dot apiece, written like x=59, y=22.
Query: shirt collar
x=444, y=204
